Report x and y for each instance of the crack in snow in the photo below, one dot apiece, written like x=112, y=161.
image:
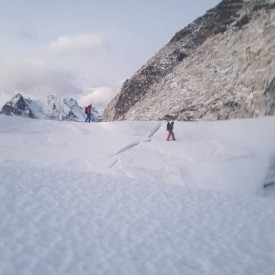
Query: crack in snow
x=135, y=143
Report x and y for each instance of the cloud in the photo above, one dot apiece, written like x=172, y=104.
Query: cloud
x=81, y=44
x=22, y=33
x=99, y=97
x=36, y=78
x=18, y=32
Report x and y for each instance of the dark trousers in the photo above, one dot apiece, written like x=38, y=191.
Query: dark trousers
x=171, y=133
x=88, y=119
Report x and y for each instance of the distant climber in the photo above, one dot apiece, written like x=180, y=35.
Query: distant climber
x=170, y=127
x=88, y=112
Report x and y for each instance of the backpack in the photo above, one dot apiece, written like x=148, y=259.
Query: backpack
x=86, y=110
x=168, y=126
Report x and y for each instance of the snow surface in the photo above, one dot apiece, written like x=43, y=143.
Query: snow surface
x=117, y=198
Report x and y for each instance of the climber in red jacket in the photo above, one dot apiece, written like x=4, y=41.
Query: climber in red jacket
x=88, y=112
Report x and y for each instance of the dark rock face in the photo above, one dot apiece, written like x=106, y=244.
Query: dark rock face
x=181, y=45
x=214, y=21
x=17, y=107
x=270, y=98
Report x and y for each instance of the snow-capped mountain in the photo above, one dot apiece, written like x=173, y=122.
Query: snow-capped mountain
x=51, y=107
x=220, y=66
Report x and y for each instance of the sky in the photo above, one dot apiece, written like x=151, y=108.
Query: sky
x=117, y=198
x=84, y=49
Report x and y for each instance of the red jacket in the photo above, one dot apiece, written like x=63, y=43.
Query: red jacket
x=88, y=109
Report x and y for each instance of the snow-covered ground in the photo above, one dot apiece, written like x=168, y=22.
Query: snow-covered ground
x=117, y=198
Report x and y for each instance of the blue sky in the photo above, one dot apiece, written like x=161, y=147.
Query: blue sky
x=84, y=49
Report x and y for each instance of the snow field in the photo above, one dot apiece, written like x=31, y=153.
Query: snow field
x=117, y=198
x=64, y=222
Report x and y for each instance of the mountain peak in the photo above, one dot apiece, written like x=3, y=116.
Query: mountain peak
x=17, y=97
x=17, y=107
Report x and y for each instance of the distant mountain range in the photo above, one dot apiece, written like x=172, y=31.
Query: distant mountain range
x=51, y=107
x=221, y=66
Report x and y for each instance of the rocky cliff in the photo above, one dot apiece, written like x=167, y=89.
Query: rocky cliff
x=220, y=66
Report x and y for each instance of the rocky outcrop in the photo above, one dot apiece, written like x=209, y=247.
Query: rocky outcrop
x=18, y=107
x=269, y=95
x=218, y=67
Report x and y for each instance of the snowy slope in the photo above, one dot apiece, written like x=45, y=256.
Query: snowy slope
x=117, y=198
x=53, y=107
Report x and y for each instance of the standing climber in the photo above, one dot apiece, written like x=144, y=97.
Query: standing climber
x=88, y=112
x=170, y=127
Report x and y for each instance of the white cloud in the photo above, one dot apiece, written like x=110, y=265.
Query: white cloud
x=81, y=44
x=98, y=97
x=35, y=78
